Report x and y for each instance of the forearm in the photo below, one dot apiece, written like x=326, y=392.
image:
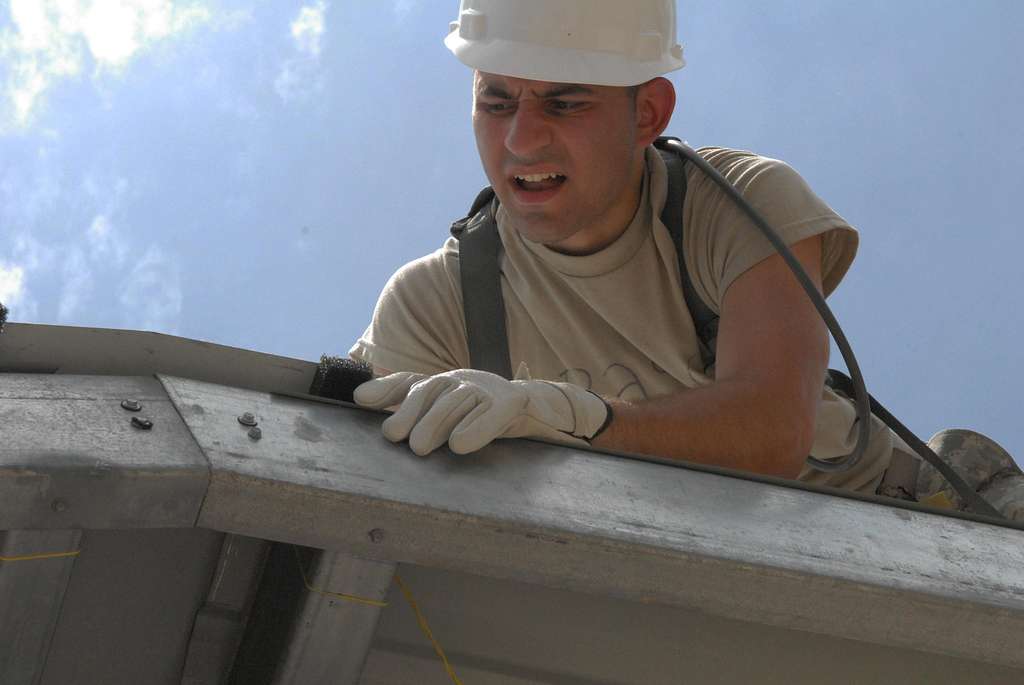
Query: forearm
x=734, y=424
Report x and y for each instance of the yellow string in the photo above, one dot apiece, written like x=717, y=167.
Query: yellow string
x=420, y=618
x=425, y=627
x=47, y=555
x=334, y=595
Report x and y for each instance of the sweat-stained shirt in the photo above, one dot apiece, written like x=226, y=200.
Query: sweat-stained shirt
x=615, y=321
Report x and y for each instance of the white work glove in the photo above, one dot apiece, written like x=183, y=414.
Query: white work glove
x=468, y=409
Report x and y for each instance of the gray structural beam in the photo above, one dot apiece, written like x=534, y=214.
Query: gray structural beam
x=323, y=476
x=220, y=622
x=130, y=606
x=337, y=620
x=42, y=348
x=72, y=457
x=35, y=567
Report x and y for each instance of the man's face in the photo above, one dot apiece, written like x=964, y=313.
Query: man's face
x=563, y=159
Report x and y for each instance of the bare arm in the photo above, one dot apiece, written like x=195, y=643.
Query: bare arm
x=759, y=414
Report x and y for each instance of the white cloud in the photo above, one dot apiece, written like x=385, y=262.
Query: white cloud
x=99, y=229
x=104, y=242
x=299, y=76
x=12, y=284
x=151, y=294
x=289, y=84
x=14, y=292
x=50, y=40
x=31, y=254
x=27, y=256
x=97, y=274
x=77, y=277
x=308, y=28
x=404, y=7
x=106, y=246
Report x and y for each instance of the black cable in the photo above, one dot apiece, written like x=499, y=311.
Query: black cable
x=842, y=383
x=861, y=401
x=865, y=404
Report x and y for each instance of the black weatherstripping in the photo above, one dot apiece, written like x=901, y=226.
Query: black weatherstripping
x=338, y=377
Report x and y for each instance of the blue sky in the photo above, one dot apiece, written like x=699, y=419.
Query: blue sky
x=251, y=173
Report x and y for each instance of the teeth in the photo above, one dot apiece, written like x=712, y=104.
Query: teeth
x=536, y=178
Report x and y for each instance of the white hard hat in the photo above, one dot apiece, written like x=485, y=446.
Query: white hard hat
x=596, y=42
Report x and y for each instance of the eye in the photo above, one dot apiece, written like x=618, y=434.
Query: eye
x=562, y=106
x=496, y=107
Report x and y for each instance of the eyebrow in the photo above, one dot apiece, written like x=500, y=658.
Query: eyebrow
x=568, y=89
x=495, y=91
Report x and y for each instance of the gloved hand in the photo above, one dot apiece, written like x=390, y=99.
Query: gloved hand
x=386, y=391
x=468, y=409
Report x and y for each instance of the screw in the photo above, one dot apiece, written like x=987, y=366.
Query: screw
x=139, y=422
x=376, y=536
x=247, y=419
x=255, y=433
x=59, y=505
x=131, y=405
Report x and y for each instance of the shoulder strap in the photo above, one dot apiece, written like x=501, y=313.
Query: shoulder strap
x=480, y=277
x=704, y=319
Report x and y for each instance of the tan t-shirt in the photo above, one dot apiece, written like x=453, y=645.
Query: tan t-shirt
x=616, y=321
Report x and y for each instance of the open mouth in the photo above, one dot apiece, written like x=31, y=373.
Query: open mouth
x=539, y=182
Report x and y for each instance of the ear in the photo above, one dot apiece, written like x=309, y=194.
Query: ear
x=655, y=102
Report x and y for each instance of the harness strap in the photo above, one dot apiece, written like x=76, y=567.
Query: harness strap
x=480, y=276
x=705, y=320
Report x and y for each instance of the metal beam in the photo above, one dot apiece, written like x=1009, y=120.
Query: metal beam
x=331, y=635
x=35, y=567
x=42, y=348
x=130, y=606
x=71, y=456
x=323, y=476
x=220, y=622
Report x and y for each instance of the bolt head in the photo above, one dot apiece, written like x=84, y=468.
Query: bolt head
x=247, y=419
x=376, y=536
x=141, y=422
x=255, y=433
x=131, y=405
x=59, y=505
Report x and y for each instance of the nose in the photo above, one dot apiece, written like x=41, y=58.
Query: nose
x=528, y=131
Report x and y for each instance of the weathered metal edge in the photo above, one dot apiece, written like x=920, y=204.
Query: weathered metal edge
x=44, y=348
x=75, y=465
x=759, y=593
x=570, y=557
x=979, y=620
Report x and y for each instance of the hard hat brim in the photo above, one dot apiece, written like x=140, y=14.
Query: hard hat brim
x=558, y=65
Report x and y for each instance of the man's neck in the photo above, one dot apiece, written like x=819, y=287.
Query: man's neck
x=599, y=236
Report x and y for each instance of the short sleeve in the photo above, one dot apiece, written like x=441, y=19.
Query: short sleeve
x=722, y=242
x=418, y=324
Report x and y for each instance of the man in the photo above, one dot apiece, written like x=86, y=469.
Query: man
x=568, y=96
